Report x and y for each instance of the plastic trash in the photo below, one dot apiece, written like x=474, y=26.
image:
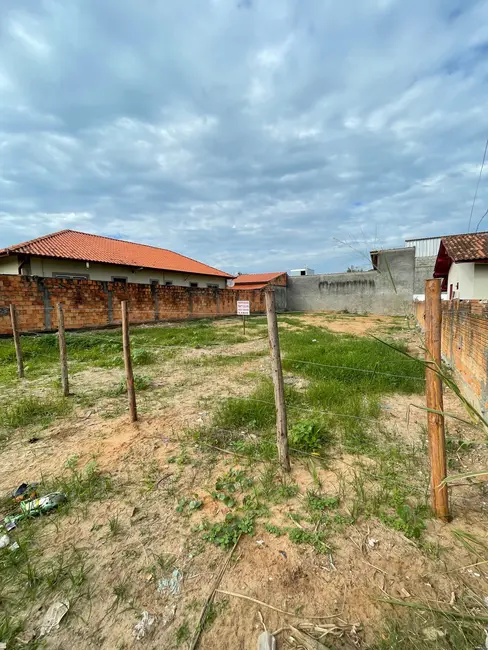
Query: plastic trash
x=142, y=627
x=14, y=546
x=171, y=585
x=4, y=541
x=43, y=504
x=25, y=491
x=52, y=618
x=266, y=641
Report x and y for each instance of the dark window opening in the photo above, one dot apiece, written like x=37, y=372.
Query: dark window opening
x=119, y=279
x=168, y=283
x=213, y=286
x=303, y=273
x=194, y=285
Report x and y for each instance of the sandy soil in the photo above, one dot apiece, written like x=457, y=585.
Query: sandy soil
x=368, y=560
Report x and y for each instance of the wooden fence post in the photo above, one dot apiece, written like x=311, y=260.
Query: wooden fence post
x=18, y=347
x=433, y=392
x=63, y=355
x=279, y=389
x=128, y=361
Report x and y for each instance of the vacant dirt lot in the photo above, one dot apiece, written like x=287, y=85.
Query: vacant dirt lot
x=345, y=545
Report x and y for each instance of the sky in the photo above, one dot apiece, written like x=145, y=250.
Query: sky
x=253, y=135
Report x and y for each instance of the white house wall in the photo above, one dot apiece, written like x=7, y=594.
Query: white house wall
x=481, y=281
x=9, y=265
x=48, y=267
x=462, y=273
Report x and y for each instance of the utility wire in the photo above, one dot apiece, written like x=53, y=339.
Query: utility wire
x=477, y=186
x=481, y=221
x=374, y=372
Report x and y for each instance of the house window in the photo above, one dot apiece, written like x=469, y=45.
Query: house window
x=194, y=285
x=154, y=283
x=70, y=276
x=213, y=286
x=168, y=283
x=116, y=278
x=450, y=292
x=303, y=273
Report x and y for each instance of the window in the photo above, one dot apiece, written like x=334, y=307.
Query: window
x=450, y=292
x=168, y=283
x=213, y=286
x=154, y=283
x=121, y=279
x=303, y=273
x=194, y=285
x=70, y=276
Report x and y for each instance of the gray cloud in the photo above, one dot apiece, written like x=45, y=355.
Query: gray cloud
x=252, y=135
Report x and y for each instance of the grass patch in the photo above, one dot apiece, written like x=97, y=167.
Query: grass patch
x=33, y=410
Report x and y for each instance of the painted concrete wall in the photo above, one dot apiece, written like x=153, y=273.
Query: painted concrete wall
x=9, y=265
x=424, y=270
x=462, y=275
x=388, y=290
x=481, y=281
x=48, y=267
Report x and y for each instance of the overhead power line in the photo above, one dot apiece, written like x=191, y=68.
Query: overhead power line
x=477, y=186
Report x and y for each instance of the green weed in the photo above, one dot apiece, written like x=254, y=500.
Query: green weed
x=226, y=533
x=33, y=410
x=182, y=634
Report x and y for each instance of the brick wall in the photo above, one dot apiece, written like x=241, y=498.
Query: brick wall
x=89, y=303
x=465, y=345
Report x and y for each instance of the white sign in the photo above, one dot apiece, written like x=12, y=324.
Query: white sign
x=243, y=308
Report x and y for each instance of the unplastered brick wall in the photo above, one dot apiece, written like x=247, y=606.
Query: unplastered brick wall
x=89, y=303
x=465, y=345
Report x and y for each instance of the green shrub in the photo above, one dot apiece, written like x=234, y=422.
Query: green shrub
x=307, y=435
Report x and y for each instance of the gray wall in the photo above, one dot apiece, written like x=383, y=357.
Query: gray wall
x=424, y=270
x=388, y=290
x=281, y=297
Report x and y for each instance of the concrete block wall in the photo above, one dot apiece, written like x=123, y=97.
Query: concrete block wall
x=465, y=345
x=388, y=289
x=90, y=303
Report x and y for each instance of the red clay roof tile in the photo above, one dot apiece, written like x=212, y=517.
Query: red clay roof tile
x=253, y=278
x=74, y=245
x=467, y=248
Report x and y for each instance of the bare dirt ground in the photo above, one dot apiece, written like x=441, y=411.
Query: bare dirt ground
x=154, y=464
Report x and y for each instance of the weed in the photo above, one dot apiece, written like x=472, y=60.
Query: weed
x=87, y=484
x=29, y=410
x=114, y=525
x=308, y=435
x=189, y=505
x=141, y=357
x=315, y=539
x=121, y=591
x=182, y=633
x=233, y=480
x=274, y=530
x=165, y=562
x=226, y=533
x=212, y=612
x=315, y=501
x=140, y=383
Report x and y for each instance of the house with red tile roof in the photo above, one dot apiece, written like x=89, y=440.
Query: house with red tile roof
x=260, y=280
x=73, y=254
x=462, y=263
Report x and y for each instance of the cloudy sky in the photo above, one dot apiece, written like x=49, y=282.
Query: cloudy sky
x=251, y=134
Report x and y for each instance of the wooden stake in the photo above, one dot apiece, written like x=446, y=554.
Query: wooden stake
x=433, y=392
x=279, y=389
x=63, y=356
x=16, y=335
x=128, y=361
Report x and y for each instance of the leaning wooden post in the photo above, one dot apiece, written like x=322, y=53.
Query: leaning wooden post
x=63, y=355
x=16, y=335
x=433, y=383
x=128, y=361
x=279, y=389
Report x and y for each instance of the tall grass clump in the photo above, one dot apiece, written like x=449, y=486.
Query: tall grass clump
x=33, y=410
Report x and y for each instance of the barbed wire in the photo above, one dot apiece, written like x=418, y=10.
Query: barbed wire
x=375, y=372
